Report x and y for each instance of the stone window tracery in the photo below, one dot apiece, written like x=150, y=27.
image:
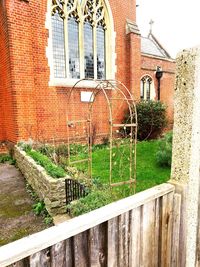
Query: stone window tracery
x=146, y=88
x=79, y=36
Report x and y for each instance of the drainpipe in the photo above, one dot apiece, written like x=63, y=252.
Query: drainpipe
x=159, y=74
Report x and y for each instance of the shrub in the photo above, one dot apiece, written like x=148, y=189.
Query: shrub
x=151, y=119
x=7, y=158
x=40, y=210
x=151, y=116
x=52, y=169
x=95, y=199
x=164, y=154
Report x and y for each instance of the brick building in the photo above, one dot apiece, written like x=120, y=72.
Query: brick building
x=47, y=45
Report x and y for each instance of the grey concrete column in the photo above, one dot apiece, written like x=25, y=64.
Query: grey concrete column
x=186, y=150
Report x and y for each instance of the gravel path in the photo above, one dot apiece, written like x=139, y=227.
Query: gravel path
x=16, y=216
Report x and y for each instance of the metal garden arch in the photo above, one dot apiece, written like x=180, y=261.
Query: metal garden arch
x=107, y=101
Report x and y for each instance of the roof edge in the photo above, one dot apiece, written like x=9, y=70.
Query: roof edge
x=155, y=40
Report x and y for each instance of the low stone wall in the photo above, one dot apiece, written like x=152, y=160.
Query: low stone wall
x=49, y=189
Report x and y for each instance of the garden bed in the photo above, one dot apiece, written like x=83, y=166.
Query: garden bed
x=51, y=190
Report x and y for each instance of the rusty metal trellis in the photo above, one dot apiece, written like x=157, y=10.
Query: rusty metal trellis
x=105, y=109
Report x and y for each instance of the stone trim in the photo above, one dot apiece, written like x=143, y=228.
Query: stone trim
x=132, y=27
x=48, y=189
x=157, y=57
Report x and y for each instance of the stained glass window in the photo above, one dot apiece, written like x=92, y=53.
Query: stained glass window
x=100, y=32
x=73, y=43
x=88, y=50
x=59, y=61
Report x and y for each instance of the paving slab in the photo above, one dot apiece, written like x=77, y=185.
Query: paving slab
x=16, y=215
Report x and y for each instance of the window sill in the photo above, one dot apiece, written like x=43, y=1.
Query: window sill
x=72, y=82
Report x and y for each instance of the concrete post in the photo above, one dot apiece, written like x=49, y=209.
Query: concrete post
x=186, y=151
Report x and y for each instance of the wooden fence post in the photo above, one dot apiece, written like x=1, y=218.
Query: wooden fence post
x=186, y=152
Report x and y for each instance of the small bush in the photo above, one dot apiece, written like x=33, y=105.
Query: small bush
x=7, y=158
x=151, y=119
x=52, y=169
x=40, y=210
x=46, y=150
x=39, y=207
x=95, y=199
x=151, y=116
x=164, y=154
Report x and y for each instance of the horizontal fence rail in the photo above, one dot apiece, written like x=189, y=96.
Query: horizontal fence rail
x=141, y=230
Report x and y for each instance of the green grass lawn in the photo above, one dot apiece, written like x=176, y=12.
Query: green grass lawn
x=149, y=173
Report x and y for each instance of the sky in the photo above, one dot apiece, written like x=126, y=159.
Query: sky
x=176, y=22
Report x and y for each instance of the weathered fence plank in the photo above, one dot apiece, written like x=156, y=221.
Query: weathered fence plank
x=81, y=256
x=58, y=254
x=124, y=240
x=148, y=231
x=41, y=258
x=166, y=230
x=176, y=230
x=69, y=252
x=98, y=246
x=122, y=234
x=22, y=263
x=135, y=237
x=156, y=233
x=113, y=237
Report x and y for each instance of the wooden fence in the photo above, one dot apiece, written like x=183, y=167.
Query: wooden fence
x=141, y=230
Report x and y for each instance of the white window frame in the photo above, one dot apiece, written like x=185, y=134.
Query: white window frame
x=110, y=55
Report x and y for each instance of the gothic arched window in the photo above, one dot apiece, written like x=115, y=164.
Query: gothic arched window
x=146, y=88
x=79, y=39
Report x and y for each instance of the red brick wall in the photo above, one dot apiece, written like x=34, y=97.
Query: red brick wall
x=22, y=68
x=121, y=11
x=8, y=128
x=31, y=107
x=148, y=66
x=45, y=115
x=135, y=64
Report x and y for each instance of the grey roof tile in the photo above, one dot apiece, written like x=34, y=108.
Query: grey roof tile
x=150, y=46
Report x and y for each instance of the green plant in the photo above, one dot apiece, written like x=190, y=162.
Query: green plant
x=45, y=149
x=39, y=208
x=151, y=116
x=7, y=158
x=25, y=145
x=61, y=150
x=52, y=169
x=48, y=219
x=94, y=200
x=31, y=192
x=164, y=153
